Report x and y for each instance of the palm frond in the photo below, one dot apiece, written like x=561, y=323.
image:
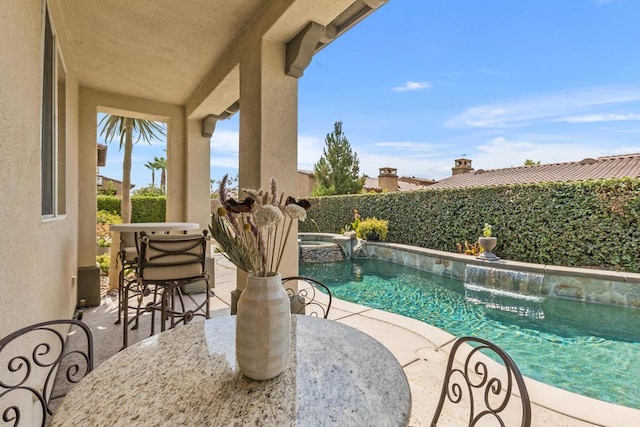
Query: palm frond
x=116, y=126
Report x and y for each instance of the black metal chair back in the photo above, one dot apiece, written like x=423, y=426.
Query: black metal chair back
x=308, y=298
x=40, y=363
x=485, y=386
x=169, y=257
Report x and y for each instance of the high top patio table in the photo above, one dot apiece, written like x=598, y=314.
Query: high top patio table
x=154, y=227
x=188, y=376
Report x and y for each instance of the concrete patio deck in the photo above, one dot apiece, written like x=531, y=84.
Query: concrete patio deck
x=421, y=349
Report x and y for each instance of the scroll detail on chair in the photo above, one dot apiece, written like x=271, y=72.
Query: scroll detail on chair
x=312, y=296
x=29, y=360
x=483, y=379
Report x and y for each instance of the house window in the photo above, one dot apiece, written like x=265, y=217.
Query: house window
x=53, y=168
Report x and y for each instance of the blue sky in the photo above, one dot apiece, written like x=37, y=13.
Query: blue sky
x=420, y=83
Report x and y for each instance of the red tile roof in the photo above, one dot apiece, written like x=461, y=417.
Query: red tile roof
x=627, y=165
x=405, y=183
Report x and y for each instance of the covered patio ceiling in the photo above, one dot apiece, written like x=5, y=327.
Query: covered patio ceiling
x=186, y=53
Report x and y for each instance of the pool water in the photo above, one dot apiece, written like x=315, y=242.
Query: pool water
x=589, y=349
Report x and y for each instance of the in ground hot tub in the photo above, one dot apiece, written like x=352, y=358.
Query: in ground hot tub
x=323, y=247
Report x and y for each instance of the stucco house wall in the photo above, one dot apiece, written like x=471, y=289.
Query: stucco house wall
x=38, y=257
x=306, y=183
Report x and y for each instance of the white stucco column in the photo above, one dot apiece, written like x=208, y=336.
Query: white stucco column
x=177, y=166
x=198, y=173
x=268, y=130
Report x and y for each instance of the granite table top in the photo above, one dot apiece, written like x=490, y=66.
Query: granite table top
x=188, y=376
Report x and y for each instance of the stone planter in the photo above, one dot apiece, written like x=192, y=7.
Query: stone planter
x=263, y=328
x=487, y=244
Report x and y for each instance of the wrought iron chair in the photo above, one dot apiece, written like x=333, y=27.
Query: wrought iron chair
x=484, y=385
x=165, y=264
x=312, y=297
x=35, y=357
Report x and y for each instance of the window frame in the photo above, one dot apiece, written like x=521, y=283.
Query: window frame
x=53, y=123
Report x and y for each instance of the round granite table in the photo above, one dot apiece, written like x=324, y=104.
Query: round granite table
x=188, y=376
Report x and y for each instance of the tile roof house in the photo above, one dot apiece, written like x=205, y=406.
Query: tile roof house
x=387, y=180
x=627, y=165
x=395, y=183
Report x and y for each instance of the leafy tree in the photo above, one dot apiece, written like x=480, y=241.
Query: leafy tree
x=337, y=170
x=150, y=190
x=124, y=128
x=529, y=162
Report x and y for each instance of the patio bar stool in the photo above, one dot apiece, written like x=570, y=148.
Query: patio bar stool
x=165, y=264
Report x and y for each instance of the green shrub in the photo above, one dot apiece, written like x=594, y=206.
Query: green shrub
x=103, y=241
x=103, y=235
x=107, y=218
x=104, y=261
x=576, y=224
x=148, y=208
x=370, y=226
x=109, y=204
x=143, y=208
x=150, y=190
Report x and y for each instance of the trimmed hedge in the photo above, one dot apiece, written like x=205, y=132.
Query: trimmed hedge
x=579, y=224
x=143, y=208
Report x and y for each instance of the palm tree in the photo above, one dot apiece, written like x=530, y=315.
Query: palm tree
x=124, y=127
x=161, y=163
x=152, y=167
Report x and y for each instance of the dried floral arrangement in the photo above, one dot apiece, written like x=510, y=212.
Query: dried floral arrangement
x=253, y=233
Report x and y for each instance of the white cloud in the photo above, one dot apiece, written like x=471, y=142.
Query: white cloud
x=415, y=165
x=309, y=151
x=224, y=149
x=603, y=117
x=227, y=162
x=523, y=112
x=410, y=85
x=502, y=152
x=407, y=145
x=225, y=141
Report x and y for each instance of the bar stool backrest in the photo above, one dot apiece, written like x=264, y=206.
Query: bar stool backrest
x=168, y=257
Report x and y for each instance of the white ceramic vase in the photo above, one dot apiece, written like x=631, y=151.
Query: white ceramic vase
x=263, y=328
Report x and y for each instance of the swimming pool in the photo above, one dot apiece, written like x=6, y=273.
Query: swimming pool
x=590, y=349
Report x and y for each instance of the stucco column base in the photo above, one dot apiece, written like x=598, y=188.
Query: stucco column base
x=89, y=285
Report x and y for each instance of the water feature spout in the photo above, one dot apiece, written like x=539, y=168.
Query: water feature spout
x=518, y=292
